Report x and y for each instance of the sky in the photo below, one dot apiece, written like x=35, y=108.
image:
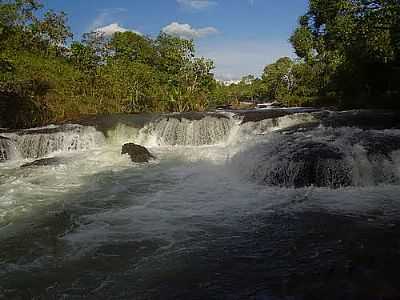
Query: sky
x=241, y=36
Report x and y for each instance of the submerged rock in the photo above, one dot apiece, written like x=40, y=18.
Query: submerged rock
x=296, y=162
x=309, y=164
x=379, y=144
x=50, y=161
x=137, y=153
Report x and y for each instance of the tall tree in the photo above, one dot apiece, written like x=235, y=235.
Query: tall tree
x=278, y=78
x=352, y=44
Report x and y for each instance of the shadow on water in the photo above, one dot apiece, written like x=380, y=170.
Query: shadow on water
x=279, y=254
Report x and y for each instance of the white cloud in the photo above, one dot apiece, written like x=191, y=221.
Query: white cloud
x=196, y=4
x=188, y=32
x=109, y=30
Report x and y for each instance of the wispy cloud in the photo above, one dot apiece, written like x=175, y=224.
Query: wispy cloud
x=188, y=32
x=113, y=28
x=196, y=4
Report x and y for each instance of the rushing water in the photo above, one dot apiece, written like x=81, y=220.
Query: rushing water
x=286, y=206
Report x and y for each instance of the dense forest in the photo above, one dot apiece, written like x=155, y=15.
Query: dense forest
x=348, y=55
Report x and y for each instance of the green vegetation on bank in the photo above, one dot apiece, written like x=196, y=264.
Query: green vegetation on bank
x=42, y=80
x=348, y=55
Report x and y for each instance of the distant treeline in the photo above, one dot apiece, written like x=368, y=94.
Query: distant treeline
x=348, y=55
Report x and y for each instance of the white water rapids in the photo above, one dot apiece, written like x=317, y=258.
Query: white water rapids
x=212, y=179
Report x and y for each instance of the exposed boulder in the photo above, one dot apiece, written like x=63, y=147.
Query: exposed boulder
x=378, y=143
x=137, y=153
x=310, y=163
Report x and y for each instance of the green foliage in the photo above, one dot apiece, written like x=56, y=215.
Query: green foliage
x=133, y=47
x=124, y=73
x=278, y=78
x=354, y=47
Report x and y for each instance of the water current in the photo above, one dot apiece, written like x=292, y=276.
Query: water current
x=280, y=205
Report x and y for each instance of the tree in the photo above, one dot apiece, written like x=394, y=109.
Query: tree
x=133, y=47
x=278, y=78
x=52, y=31
x=352, y=45
x=174, y=53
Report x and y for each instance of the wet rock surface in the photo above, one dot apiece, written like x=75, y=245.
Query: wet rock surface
x=51, y=161
x=195, y=116
x=378, y=143
x=259, y=115
x=137, y=153
x=309, y=163
x=364, y=119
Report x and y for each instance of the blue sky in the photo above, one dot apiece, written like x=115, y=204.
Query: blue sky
x=241, y=36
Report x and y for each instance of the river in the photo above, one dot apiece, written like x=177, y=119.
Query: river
x=285, y=204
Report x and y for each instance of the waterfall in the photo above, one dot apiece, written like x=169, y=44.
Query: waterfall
x=207, y=129
x=292, y=150
x=122, y=134
x=266, y=126
x=172, y=131
x=324, y=157
x=8, y=149
x=40, y=142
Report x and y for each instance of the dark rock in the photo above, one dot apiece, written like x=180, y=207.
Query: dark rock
x=194, y=116
x=378, y=143
x=51, y=161
x=137, y=153
x=365, y=119
x=310, y=163
x=259, y=115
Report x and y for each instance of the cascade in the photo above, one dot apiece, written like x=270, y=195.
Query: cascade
x=39, y=142
x=208, y=129
x=172, y=131
x=292, y=150
x=8, y=150
x=324, y=157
